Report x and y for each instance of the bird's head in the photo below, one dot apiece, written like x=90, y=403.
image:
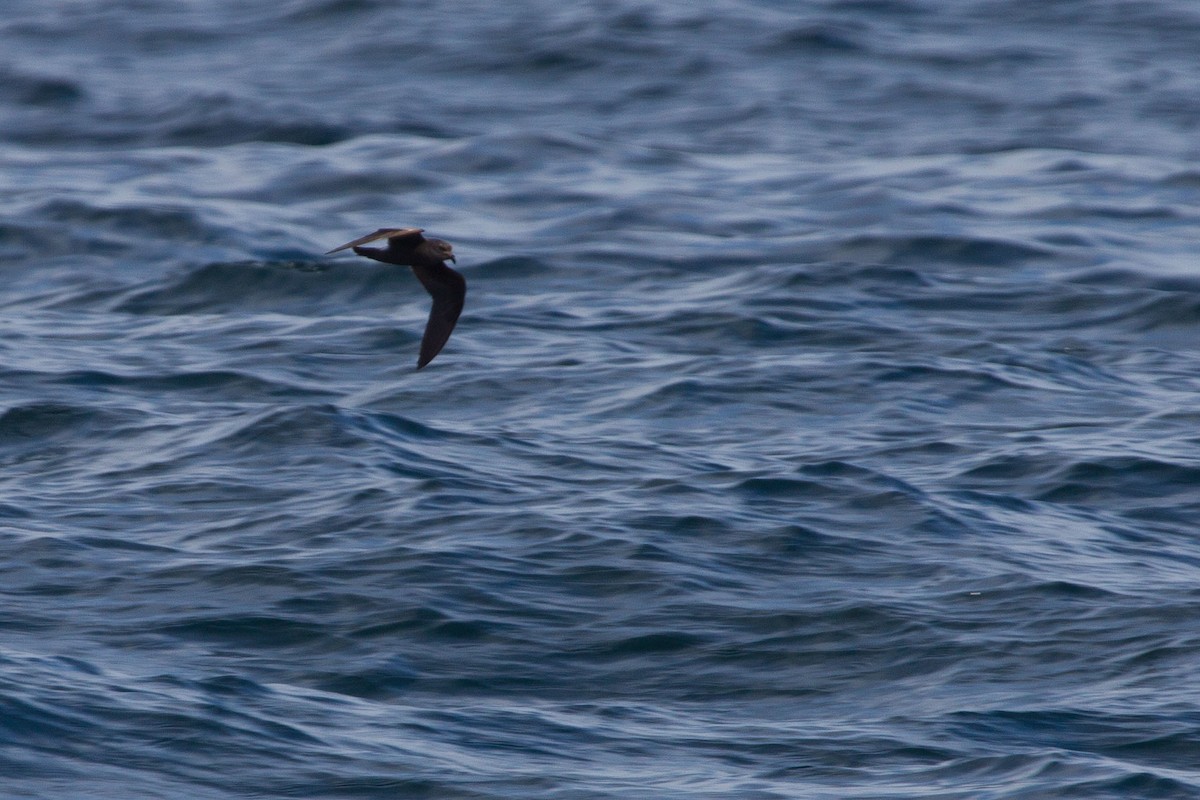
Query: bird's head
x=441, y=249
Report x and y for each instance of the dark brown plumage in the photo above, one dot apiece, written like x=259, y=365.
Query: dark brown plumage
x=427, y=257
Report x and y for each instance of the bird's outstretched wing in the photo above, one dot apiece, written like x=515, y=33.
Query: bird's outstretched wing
x=448, y=290
x=382, y=233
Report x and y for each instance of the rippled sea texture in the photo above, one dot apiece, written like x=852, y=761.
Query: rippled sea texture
x=823, y=421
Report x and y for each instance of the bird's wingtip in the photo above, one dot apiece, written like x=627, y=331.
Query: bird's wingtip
x=381, y=233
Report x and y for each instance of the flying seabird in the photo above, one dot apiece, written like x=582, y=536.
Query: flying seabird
x=427, y=257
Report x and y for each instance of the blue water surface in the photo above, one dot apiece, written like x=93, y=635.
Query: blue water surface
x=823, y=421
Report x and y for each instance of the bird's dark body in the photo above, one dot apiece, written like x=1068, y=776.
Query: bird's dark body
x=427, y=258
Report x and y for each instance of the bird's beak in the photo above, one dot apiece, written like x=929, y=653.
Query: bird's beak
x=452, y=258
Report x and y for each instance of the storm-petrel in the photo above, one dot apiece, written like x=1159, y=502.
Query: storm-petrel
x=427, y=257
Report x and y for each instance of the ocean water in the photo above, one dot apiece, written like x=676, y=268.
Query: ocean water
x=824, y=421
